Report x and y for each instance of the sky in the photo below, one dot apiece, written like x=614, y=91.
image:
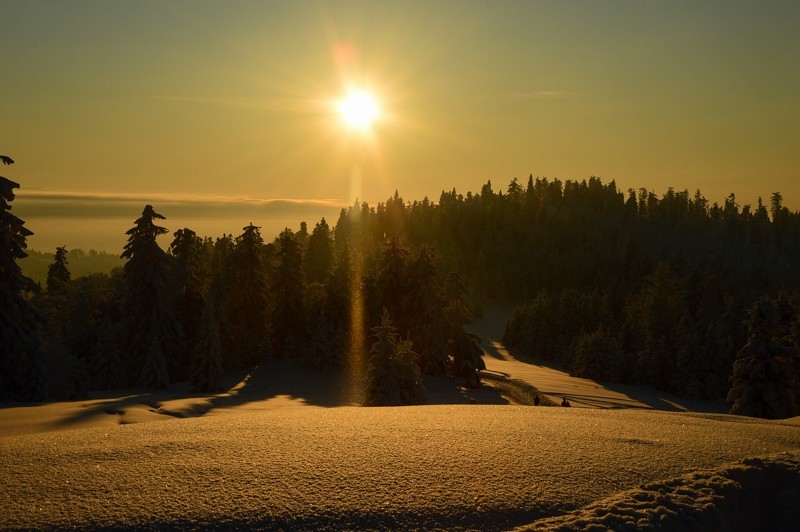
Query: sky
x=224, y=113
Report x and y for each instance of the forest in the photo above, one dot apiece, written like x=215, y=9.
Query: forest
x=694, y=298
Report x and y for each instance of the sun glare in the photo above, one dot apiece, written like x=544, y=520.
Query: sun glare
x=358, y=109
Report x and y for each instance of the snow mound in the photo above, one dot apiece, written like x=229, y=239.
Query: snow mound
x=757, y=493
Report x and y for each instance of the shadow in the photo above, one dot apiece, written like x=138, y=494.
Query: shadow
x=288, y=380
x=622, y=395
x=451, y=391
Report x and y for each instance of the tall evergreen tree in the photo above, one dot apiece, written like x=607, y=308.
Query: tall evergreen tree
x=151, y=328
x=191, y=272
x=248, y=297
x=392, y=373
x=287, y=318
x=763, y=381
x=423, y=309
x=392, y=279
x=58, y=274
x=207, y=363
x=23, y=374
x=319, y=253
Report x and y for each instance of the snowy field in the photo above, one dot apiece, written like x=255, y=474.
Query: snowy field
x=285, y=448
x=460, y=466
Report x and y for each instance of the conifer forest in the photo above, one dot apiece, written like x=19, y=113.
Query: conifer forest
x=691, y=297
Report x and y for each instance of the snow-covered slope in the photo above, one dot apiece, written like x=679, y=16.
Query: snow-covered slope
x=488, y=467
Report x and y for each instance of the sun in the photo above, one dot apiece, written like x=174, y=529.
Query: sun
x=358, y=109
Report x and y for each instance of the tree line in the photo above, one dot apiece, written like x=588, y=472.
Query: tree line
x=622, y=286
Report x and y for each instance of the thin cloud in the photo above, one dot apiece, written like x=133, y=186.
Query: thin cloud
x=41, y=203
x=543, y=94
x=264, y=104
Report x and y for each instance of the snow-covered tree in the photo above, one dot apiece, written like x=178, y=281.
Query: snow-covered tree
x=151, y=328
x=392, y=373
x=597, y=356
x=23, y=375
x=763, y=379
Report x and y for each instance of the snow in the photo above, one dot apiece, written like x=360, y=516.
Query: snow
x=451, y=466
x=285, y=448
x=557, y=384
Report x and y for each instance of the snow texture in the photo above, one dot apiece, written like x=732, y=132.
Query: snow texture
x=458, y=466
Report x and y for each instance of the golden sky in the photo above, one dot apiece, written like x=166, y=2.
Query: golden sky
x=108, y=105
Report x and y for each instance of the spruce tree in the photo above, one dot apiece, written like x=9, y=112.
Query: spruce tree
x=392, y=373
x=423, y=308
x=392, y=281
x=763, y=380
x=58, y=274
x=333, y=331
x=23, y=375
x=207, y=364
x=190, y=268
x=55, y=302
x=597, y=357
x=248, y=297
x=287, y=318
x=383, y=379
x=319, y=253
x=151, y=328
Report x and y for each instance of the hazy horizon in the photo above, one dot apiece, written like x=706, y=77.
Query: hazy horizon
x=99, y=221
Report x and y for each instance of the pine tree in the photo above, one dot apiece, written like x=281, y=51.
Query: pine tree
x=190, y=268
x=55, y=302
x=58, y=274
x=392, y=373
x=412, y=391
x=23, y=375
x=207, y=364
x=151, y=328
x=248, y=296
x=688, y=377
x=383, y=381
x=319, y=253
x=423, y=307
x=392, y=280
x=465, y=347
x=333, y=331
x=287, y=318
x=597, y=356
x=763, y=379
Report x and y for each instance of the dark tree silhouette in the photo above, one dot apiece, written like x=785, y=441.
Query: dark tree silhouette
x=319, y=253
x=191, y=272
x=287, y=289
x=23, y=375
x=207, y=371
x=58, y=274
x=248, y=300
x=392, y=280
x=392, y=374
x=151, y=327
x=423, y=310
x=763, y=381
